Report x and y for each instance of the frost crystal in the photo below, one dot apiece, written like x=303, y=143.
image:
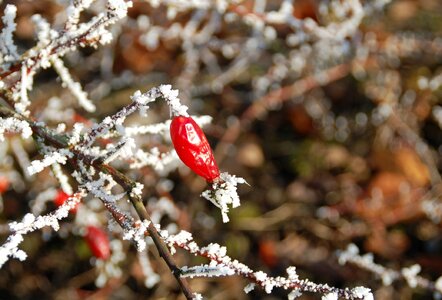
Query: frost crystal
x=181, y=238
x=14, y=125
x=162, y=163
x=76, y=133
x=363, y=293
x=410, y=274
x=8, y=50
x=25, y=85
x=291, y=271
x=137, y=190
x=171, y=97
x=224, y=193
x=218, y=270
x=294, y=294
x=250, y=287
x=73, y=12
x=73, y=86
x=62, y=179
x=102, y=188
x=119, y=7
x=59, y=156
x=138, y=235
x=330, y=296
x=197, y=296
x=260, y=276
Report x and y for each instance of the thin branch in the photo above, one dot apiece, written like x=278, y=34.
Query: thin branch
x=128, y=185
x=61, y=141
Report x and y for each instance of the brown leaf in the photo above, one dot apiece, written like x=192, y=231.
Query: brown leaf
x=412, y=167
x=388, y=183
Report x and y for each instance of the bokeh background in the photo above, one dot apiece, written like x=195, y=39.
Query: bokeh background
x=339, y=140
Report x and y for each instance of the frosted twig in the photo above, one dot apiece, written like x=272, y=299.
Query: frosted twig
x=73, y=12
x=139, y=100
x=59, y=156
x=31, y=223
x=14, y=125
x=44, y=32
x=101, y=188
x=62, y=178
x=162, y=163
x=206, y=271
x=123, y=149
x=89, y=33
x=87, y=168
x=127, y=223
x=73, y=86
x=388, y=276
x=138, y=234
x=218, y=257
x=8, y=50
x=163, y=128
x=22, y=100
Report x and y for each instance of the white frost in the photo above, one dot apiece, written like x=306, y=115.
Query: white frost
x=330, y=296
x=31, y=223
x=224, y=193
x=14, y=125
x=8, y=50
x=363, y=293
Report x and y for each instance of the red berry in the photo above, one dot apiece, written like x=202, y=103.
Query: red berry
x=61, y=198
x=268, y=253
x=193, y=148
x=98, y=242
x=80, y=119
x=4, y=184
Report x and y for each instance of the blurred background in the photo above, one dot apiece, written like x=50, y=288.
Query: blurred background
x=338, y=137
